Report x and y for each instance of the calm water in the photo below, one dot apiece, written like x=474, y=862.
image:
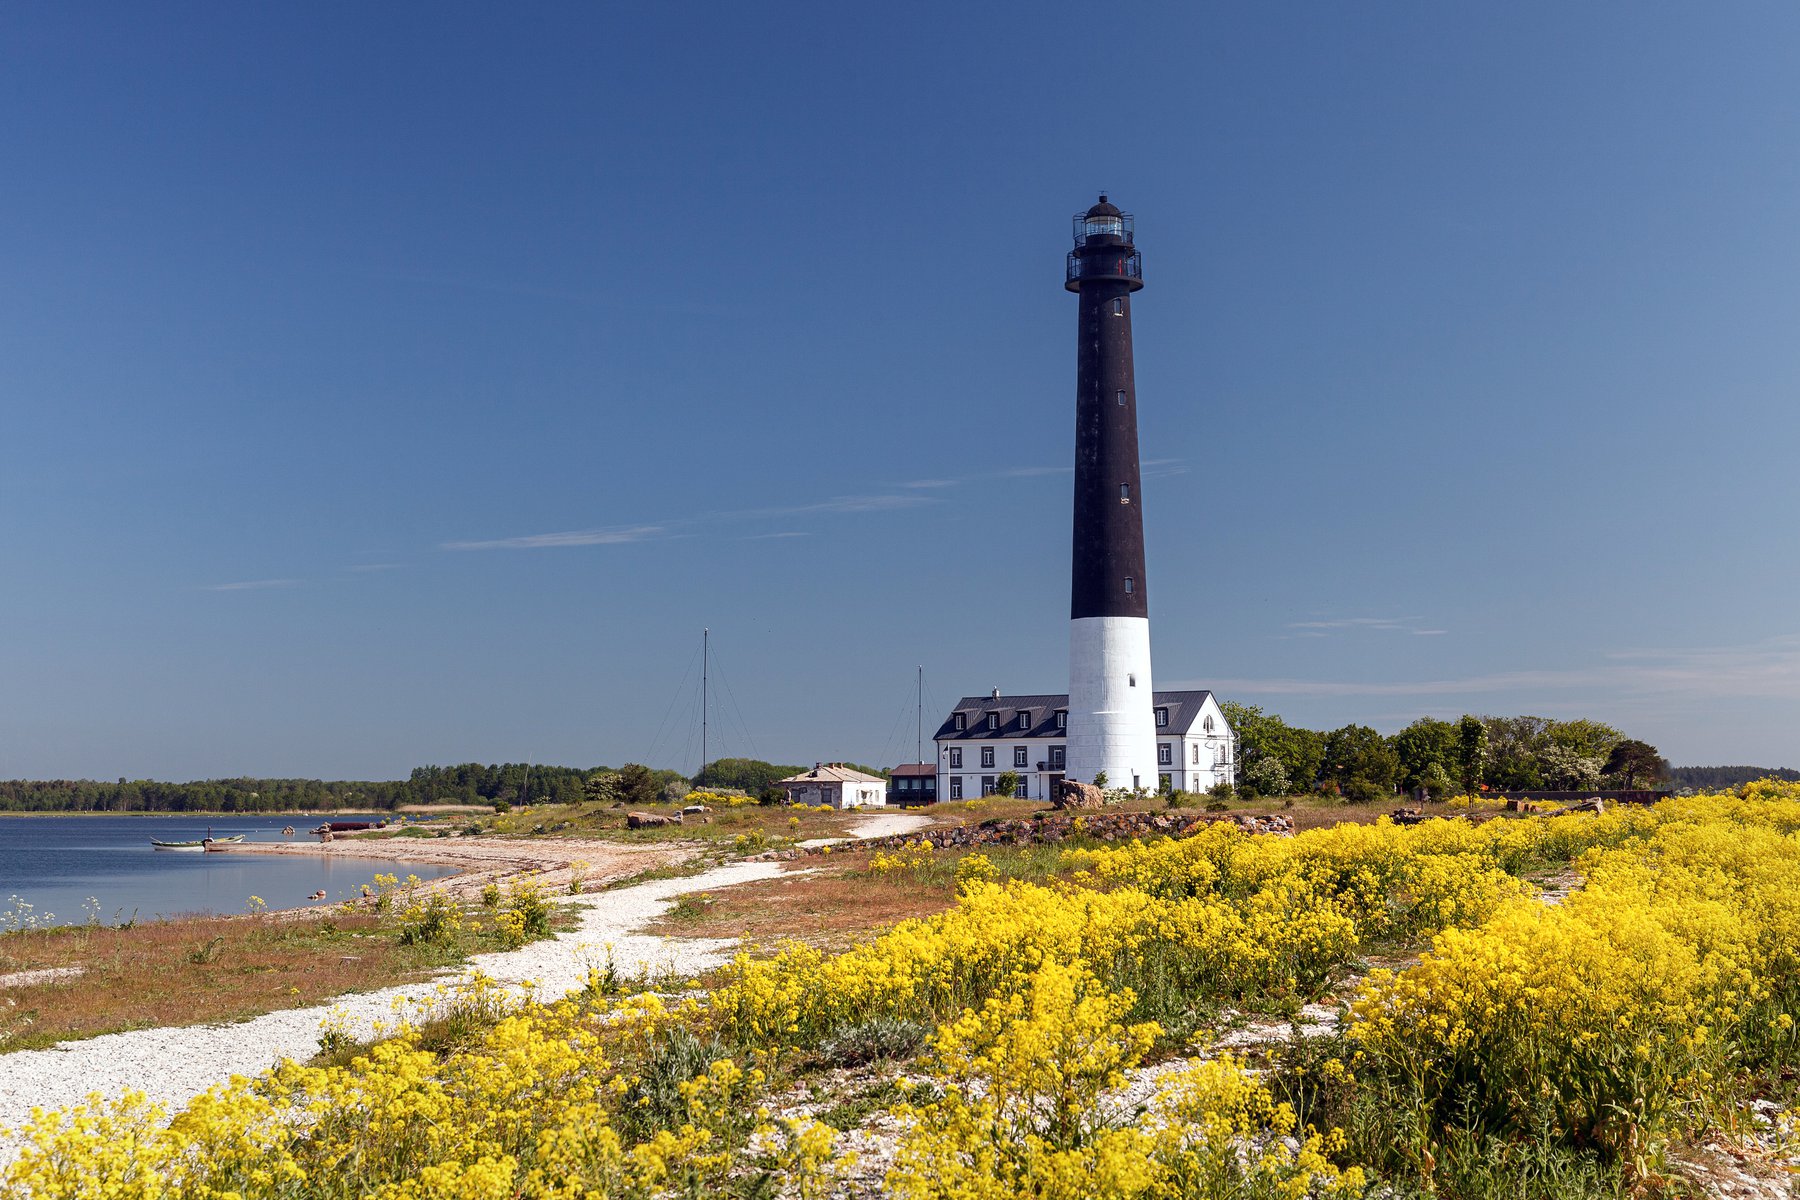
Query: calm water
x=55, y=863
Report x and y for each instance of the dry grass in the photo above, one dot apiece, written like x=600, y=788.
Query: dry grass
x=203, y=970
x=723, y=826
x=830, y=908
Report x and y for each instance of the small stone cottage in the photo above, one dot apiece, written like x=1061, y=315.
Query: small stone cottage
x=836, y=785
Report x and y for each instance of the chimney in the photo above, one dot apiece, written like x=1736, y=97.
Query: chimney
x=996, y=695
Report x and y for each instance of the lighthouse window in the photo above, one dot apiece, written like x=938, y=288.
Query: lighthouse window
x=1124, y=493
x=1130, y=585
x=1119, y=306
x=1131, y=680
x=1121, y=399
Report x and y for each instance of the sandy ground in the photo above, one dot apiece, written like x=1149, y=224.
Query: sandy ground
x=485, y=860
x=173, y=1065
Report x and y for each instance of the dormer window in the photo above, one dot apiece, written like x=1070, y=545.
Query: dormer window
x=1024, y=719
x=993, y=722
x=959, y=722
x=1162, y=718
x=1062, y=719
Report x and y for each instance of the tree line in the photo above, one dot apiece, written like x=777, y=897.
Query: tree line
x=1502, y=753
x=504, y=784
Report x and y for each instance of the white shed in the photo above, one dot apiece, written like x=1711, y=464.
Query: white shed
x=836, y=785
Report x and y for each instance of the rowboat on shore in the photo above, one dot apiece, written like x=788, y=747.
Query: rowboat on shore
x=199, y=845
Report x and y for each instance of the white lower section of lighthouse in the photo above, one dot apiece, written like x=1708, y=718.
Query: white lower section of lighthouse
x=1112, y=720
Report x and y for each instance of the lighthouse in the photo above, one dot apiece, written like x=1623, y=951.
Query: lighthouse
x=1111, y=721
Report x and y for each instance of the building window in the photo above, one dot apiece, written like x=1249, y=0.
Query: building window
x=1056, y=757
x=1124, y=493
x=1024, y=720
x=1196, y=754
x=1165, y=755
x=993, y=721
x=956, y=756
x=1121, y=399
x=1118, y=306
x=956, y=787
x=959, y=722
x=1162, y=718
x=987, y=756
x=1207, y=724
x=1062, y=720
x=1130, y=585
x=1131, y=680
x=987, y=785
x=1019, y=757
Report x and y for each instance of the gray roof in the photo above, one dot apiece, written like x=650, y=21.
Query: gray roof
x=1040, y=710
x=832, y=773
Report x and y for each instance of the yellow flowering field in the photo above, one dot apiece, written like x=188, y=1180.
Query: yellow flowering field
x=1529, y=1048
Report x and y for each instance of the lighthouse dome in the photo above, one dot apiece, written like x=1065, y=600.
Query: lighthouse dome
x=1104, y=209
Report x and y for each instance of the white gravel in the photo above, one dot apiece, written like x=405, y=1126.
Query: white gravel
x=173, y=1065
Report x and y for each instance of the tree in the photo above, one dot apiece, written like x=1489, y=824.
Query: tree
x=1634, y=760
x=1471, y=753
x=1425, y=743
x=1265, y=777
x=1436, y=781
x=1007, y=783
x=751, y=775
x=1565, y=769
x=1360, y=762
x=638, y=785
x=1591, y=739
x=1265, y=735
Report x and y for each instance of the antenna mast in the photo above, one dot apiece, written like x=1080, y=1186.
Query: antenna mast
x=705, y=640
x=919, y=737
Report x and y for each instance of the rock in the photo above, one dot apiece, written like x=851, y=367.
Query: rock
x=1070, y=794
x=640, y=820
x=695, y=810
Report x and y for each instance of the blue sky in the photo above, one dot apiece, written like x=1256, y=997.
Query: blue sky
x=391, y=384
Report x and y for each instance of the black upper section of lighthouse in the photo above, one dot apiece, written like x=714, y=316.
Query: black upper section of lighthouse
x=1107, y=576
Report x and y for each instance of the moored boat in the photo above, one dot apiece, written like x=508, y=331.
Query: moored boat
x=200, y=844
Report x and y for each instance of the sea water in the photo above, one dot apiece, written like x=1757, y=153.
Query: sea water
x=67, y=869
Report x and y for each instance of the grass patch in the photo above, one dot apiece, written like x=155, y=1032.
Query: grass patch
x=207, y=969
x=834, y=901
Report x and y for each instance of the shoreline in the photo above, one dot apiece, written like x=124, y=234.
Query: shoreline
x=552, y=862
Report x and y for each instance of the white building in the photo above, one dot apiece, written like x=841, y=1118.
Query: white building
x=986, y=736
x=836, y=785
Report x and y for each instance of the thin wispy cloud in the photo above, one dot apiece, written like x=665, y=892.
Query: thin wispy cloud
x=251, y=585
x=1761, y=670
x=621, y=535
x=785, y=533
x=1324, y=627
x=617, y=536
x=930, y=483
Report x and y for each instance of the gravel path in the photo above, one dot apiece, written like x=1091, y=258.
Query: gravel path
x=173, y=1065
